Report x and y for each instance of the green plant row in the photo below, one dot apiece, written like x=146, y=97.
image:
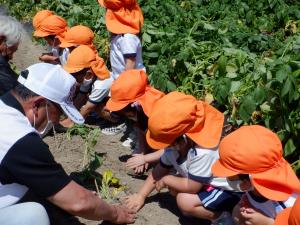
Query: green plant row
x=242, y=54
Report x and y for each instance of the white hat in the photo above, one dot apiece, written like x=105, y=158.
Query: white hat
x=53, y=83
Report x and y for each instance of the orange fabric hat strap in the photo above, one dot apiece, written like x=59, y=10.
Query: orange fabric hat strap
x=100, y=69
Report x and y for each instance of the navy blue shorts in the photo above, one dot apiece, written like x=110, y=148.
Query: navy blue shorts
x=219, y=200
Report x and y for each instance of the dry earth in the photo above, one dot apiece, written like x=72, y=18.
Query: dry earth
x=160, y=208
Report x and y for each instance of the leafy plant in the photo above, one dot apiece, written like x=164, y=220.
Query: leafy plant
x=242, y=55
x=108, y=181
x=91, y=160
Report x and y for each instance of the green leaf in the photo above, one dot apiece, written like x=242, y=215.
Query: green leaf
x=67, y=2
x=151, y=54
x=231, y=75
x=265, y=107
x=221, y=90
x=289, y=147
x=146, y=38
x=235, y=85
x=222, y=61
x=208, y=26
x=259, y=95
x=246, y=109
x=77, y=9
x=231, y=68
x=286, y=87
x=171, y=86
x=281, y=75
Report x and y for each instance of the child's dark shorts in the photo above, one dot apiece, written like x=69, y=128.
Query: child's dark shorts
x=215, y=199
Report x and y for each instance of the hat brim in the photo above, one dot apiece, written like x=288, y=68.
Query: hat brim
x=277, y=183
x=72, y=113
x=72, y=69
x=41, y=34
x=283, y=217
x=65, y=44
x=219, y=170
x=155, y=144
x=208, y=135
x=114, y=106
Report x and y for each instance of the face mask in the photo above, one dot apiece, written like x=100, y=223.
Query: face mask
x=48, y=126
x=239, y=185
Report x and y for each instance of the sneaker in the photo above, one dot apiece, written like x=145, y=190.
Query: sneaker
x=114, y=129
x=224, y=219
x=128, y=142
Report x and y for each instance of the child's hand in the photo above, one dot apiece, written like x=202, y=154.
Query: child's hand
x=252, y=216
x=135, y=161
x=134, y=201
x=49, y=59
x=141, y=169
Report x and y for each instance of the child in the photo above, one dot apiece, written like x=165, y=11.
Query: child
x=124, y=20
x=193, y=129
x=84, y=63
x=132, y=97
x=256, y=151
x=52, y=29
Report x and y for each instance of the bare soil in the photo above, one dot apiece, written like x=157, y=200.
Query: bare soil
x=160, y=208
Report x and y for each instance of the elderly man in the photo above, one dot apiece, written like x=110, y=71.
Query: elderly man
x=10, y=36
x=28, y=171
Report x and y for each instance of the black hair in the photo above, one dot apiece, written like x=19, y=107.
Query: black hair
x=23, y=92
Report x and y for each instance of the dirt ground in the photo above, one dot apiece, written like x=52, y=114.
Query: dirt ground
x=160, y=208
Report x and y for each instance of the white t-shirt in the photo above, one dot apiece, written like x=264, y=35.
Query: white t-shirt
x=123, y=45
x=197, y=166
x=269, y=207
x=171, y=159
x=61, y=54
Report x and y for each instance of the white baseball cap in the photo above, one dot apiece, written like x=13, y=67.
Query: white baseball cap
x=53, y=83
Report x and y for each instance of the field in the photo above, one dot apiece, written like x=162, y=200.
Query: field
x=160, y=208
x=241, y=56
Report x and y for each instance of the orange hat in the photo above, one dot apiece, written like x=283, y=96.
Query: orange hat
x=78, y=35
x=123, y=16
x=39, y=17
x=176, y=114
x=52, y=25
x=84, y=57
x=257, y=151
x=289, y=216
x=132, y=86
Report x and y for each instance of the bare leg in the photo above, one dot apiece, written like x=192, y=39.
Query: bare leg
x=190, y=204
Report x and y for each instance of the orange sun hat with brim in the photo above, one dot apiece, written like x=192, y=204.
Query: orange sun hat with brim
x=84, y=57
x=52, y=25
x=123, y=16
x=289, y=216
x=39, y=17
x=132, y=86
x=257, y=151
x=78, y=35
x=176, y=114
